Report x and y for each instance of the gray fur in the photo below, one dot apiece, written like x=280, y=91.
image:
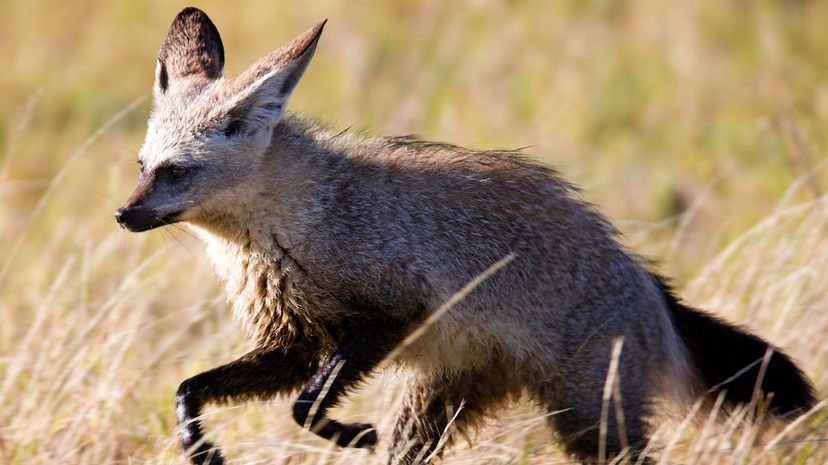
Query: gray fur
x=326, y=238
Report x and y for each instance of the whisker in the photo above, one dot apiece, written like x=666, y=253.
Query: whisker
x=164, y=238
x=189, y=252
x=166, y=208
x=176, y=238
x=107, y=198
x=178, y=227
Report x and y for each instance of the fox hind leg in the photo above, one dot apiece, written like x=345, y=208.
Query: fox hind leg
x=580, y=433
x=576, y=407
x=436, y=406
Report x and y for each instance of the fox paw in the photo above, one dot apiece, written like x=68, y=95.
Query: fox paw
x=359, y=435
x=207, y=454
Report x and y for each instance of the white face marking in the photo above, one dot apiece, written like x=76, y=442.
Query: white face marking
x=177, y=124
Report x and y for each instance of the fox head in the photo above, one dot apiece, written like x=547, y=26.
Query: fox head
x=207, y=134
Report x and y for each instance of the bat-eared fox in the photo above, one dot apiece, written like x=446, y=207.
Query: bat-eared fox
x=336, y=248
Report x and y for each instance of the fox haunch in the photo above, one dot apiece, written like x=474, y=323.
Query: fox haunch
x=335, y=248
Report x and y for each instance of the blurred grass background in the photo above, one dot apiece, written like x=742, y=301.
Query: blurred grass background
x=697, y=126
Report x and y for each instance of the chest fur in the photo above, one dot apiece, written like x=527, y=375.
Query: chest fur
x=269, y=291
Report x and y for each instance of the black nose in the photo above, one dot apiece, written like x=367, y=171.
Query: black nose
x=137, y=218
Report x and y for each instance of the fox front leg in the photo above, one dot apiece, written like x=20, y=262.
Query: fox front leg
x=341, y=371
x=257, y=375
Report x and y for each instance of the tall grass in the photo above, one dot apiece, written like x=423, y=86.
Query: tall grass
x=697, y=126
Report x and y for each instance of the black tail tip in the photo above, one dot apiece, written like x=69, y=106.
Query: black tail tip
x=733, y=362
x=787, y=389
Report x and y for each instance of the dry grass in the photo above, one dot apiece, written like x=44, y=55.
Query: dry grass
x=695, y=125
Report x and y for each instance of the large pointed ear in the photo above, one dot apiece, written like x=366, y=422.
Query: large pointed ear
x=258, y=95
x=191, y=48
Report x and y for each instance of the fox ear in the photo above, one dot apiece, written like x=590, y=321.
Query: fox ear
x=258, y=95
x=192, y=47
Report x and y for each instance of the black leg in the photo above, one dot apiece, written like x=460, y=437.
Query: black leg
x=341, y=371
x=257, y=375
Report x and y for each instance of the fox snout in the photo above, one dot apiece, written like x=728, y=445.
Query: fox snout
x=157, y=201
x=142, y=214
x=138, y=218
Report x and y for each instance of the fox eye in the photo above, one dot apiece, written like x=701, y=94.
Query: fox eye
x=232, y=128
x=178, y=172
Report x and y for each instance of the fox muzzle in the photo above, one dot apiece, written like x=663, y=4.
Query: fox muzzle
x=138, y=218
x=151, y=205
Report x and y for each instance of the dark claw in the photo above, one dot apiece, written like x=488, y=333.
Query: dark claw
x=359, y=435
x=207, y=454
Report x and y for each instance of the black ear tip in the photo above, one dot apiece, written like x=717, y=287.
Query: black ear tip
x=192, y=15
x=190, y=11
x=194, y=38
x=317, y=30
